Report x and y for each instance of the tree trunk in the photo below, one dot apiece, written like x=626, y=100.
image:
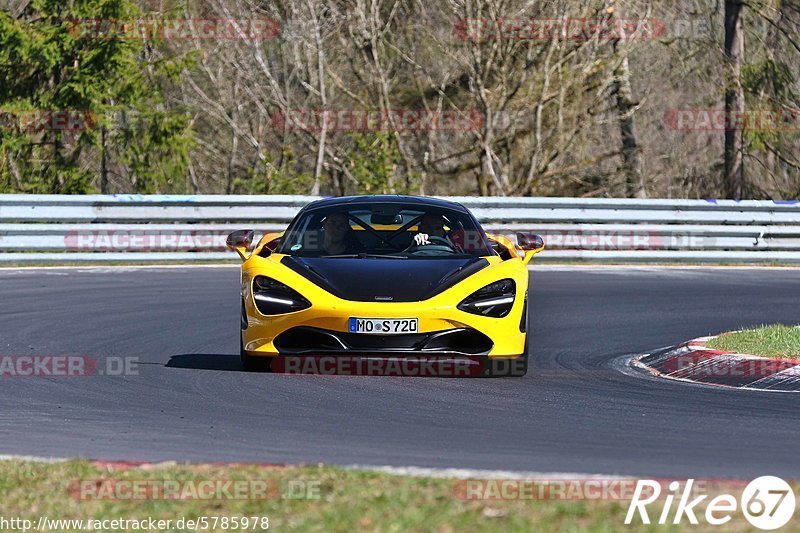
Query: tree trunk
x=626, y=107
x=734, y=99
x=631, y=154
x=233, y=113
x=103, y=161
x=323, y=100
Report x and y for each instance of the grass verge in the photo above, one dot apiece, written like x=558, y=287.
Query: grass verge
x=776, y=341
x=307, y=498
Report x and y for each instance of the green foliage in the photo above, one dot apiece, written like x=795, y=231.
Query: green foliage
x=769, y=86
x=267, y=178
x=770, y=78
x=374, y=161
x=150, y=120
x=47, y=63
x=157, y=151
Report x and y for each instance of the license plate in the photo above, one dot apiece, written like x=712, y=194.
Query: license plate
x=383, y=326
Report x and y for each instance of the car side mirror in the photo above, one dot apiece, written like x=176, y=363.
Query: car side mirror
x=240, y=241
x=504, y=246
x=531, y=243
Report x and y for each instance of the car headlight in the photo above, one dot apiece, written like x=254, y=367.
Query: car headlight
x=274, y=298
x=494, y=300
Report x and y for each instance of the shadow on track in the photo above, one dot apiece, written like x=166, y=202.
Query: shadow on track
x=206, y=361
x=361, y=365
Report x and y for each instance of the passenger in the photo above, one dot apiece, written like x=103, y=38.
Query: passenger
x=338, y=236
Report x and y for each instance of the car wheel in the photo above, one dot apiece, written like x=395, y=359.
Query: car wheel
x=505, y=367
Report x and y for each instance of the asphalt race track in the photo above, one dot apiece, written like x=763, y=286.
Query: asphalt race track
x=574, y=412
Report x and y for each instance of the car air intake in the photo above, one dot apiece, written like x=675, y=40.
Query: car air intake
x=304, y=339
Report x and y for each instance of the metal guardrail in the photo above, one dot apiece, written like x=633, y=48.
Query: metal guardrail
x=153, y=228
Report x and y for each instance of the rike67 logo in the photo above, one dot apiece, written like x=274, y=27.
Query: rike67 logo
x=767, y=503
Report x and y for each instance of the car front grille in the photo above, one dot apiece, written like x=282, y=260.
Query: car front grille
x=305, y=339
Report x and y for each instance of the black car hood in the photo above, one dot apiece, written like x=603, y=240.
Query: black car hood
x=384, y=280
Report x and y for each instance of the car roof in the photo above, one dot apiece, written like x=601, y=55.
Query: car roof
x=385, y=199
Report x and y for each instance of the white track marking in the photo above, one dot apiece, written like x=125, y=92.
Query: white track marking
x=466, y=473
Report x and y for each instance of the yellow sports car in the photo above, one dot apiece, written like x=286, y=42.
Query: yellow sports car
x=385, y=277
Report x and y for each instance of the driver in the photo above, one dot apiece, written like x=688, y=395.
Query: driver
x=430, y=226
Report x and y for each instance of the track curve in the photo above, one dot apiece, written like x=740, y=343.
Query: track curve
x=574, y=412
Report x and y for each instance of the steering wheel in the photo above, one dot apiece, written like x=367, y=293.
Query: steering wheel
x=435, y=244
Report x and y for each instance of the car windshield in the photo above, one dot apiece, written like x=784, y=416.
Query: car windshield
x=385, y=231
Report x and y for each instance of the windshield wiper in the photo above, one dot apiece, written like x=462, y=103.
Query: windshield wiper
x=365, y=256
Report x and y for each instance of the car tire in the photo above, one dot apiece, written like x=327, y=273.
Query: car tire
x=505, y=367
x=249, y=362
